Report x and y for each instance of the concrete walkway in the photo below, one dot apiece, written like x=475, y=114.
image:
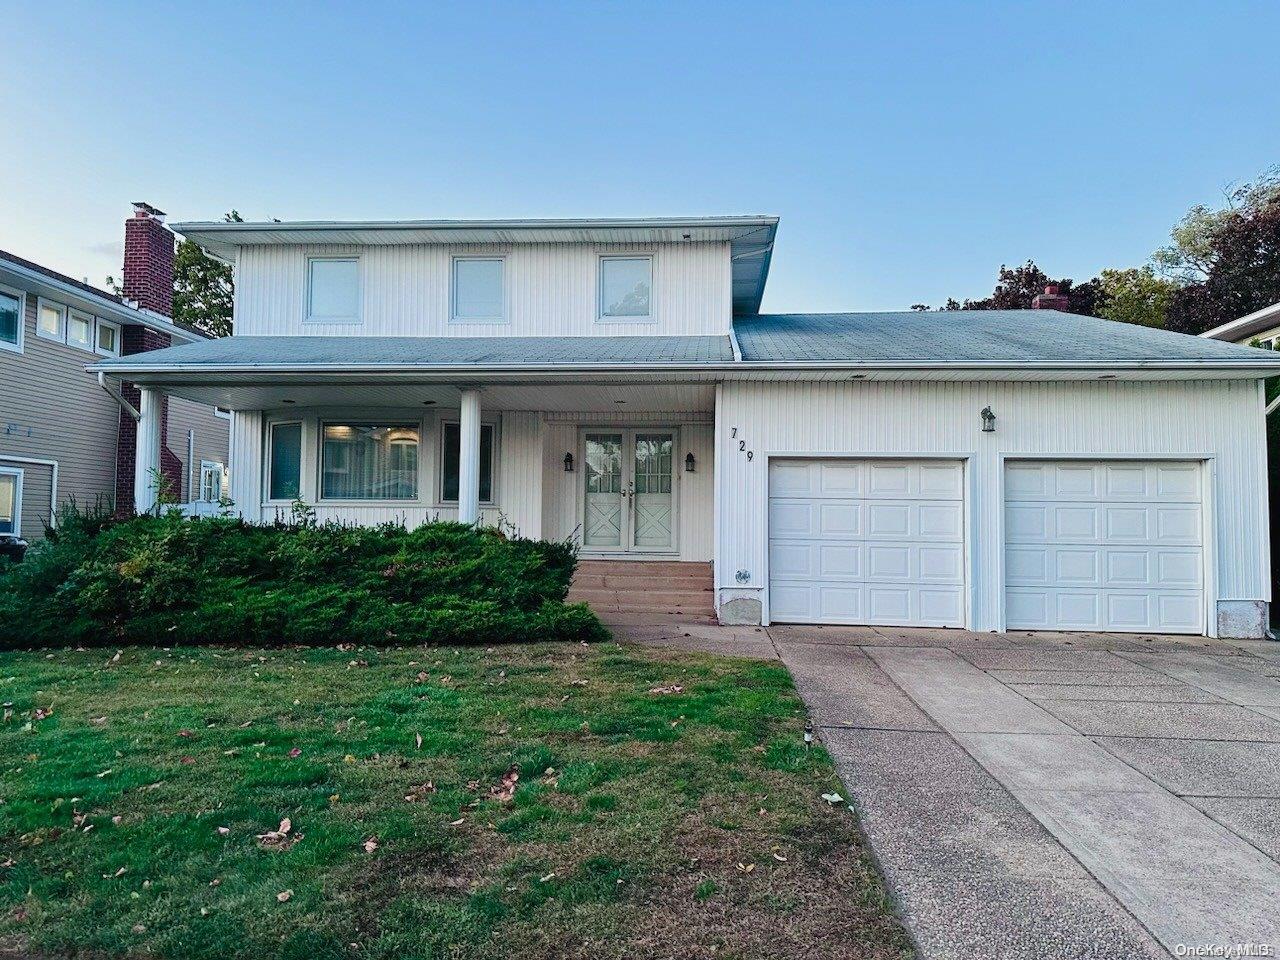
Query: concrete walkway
x=1058, y=795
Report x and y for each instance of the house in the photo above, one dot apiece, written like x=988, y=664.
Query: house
x=613, y=381
x=62, y=436
x=1258, y=329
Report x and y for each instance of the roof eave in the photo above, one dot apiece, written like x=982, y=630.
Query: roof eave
x=1247, y=325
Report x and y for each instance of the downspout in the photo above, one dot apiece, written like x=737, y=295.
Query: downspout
x=1270, y=407
x=114, y=390
x=191, y=466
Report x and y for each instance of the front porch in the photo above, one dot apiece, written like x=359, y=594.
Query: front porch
x=625, y=470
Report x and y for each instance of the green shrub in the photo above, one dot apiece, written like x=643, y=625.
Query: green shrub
x=171, y=580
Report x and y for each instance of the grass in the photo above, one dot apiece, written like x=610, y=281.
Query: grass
x=665, y=806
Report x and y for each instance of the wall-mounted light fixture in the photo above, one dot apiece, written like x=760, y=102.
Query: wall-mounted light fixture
x=988, y=420
x=689, y=463
x=568, y=463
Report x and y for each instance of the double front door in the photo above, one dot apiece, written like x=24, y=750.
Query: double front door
x=628, y=491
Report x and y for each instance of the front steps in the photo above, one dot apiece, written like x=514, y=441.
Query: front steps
x=636, y=588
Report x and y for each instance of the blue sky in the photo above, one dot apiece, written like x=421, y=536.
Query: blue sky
x=909, y=148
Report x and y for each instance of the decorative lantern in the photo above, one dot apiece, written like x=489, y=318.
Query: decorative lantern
x=568, y=463
x=688, y=463
x=988, y=420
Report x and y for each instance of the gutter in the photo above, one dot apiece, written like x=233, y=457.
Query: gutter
x=1249, y=366
x=119, y=398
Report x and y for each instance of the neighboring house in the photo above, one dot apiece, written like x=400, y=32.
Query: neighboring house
x=1258, y=329
x=62, y=436
x=614, y=382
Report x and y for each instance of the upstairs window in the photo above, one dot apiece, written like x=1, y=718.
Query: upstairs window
x=80, y=330
x=10, y=321
x=478, y=294
x=625, y=288
x=333, y=290
x=51, y=320
x=108, y=339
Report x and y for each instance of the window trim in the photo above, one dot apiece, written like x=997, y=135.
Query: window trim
x=21, y=296
x=17, y=474
x=61, y=337
x=493, y=424
x=74, y=314
x=453, y=288
x=358, y=318
x=206, y=465
x=601, y=317
x=366, y=422
x=119, y=330
x=267, y=460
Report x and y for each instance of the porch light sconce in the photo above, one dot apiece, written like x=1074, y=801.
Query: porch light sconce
x=988, y=420
x=568, y=463
x=689, y=463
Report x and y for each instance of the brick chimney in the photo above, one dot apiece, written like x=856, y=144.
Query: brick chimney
x=148, y=281
x=1051, y=299
x=148, y=260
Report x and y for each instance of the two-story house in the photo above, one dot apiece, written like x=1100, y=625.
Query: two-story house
x=62, y=436
x=613, y=381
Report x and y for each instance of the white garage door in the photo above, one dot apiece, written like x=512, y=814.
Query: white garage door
x=1112, y=545
x=867, y=541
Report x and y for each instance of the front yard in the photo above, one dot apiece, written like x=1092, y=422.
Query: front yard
x=543, y=800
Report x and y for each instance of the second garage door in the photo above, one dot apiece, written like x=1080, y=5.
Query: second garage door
x=1105, y=545
x=867, y=542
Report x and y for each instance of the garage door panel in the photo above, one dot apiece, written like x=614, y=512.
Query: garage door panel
x=1104, y=546
x=863, y=541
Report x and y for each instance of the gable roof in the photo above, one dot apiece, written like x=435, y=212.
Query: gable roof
x=1248, y=325
x=954, y=337
x=41, y=281
x=750, y=238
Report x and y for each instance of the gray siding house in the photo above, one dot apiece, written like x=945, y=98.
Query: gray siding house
x=62, y=435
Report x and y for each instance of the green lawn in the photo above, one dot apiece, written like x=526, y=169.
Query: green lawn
x=665, y=806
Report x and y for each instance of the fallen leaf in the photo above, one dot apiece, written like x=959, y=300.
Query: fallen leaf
x=187, y=760
x=185, y=733
x=674, y=688
x=549, y=877
x=223, y=831
x=370, y=845
x=139, y=928
x=295, y=753
x=417, y=740
x=98, y=721
x=348, y=759
x=417, y=793
x=284, y=895
x=280, y=838
x=833, y=798
x=459, y=822
x=779, y=858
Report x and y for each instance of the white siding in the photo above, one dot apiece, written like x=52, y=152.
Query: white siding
x=1217, y=421
x=550, y=290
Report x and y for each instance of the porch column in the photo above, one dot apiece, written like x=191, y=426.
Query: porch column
x=146, y=460
x=469, y=457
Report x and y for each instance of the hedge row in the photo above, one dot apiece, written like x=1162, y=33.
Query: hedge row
x=171, y=580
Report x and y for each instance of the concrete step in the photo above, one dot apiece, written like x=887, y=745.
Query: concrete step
x=608, y=581
x=646, y=568
x=656, y=598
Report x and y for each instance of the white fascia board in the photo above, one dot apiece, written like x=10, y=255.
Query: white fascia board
x=1250, y=323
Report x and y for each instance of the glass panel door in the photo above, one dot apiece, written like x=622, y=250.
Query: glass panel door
x=653, y=500
x=603, y=516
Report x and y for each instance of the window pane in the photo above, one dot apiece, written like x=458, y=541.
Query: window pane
x=9, y=318
x=449, y=463
x=50, y=322
x=107, y=338
x=477, y=289
x=286, y=461
x=80, y=330
x=362, y=462
x=8, y=495
x=333, y=290
x=624, y=287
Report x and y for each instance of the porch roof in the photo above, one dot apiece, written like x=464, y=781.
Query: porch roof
x=371, y=353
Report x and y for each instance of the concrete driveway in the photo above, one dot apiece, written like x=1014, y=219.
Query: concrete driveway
x=1058, y=795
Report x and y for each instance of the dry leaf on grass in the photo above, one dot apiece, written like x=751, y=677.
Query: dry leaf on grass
x=417, y=740
x=281, y=838
x=370, y=845
x=673, y=688
x=284, y=895
x=420, y=792
x=505, y=790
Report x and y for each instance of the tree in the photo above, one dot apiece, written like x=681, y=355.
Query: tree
x=1226, y=262
x=1136, y=295
x=203, y=288
x=1016, y=287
